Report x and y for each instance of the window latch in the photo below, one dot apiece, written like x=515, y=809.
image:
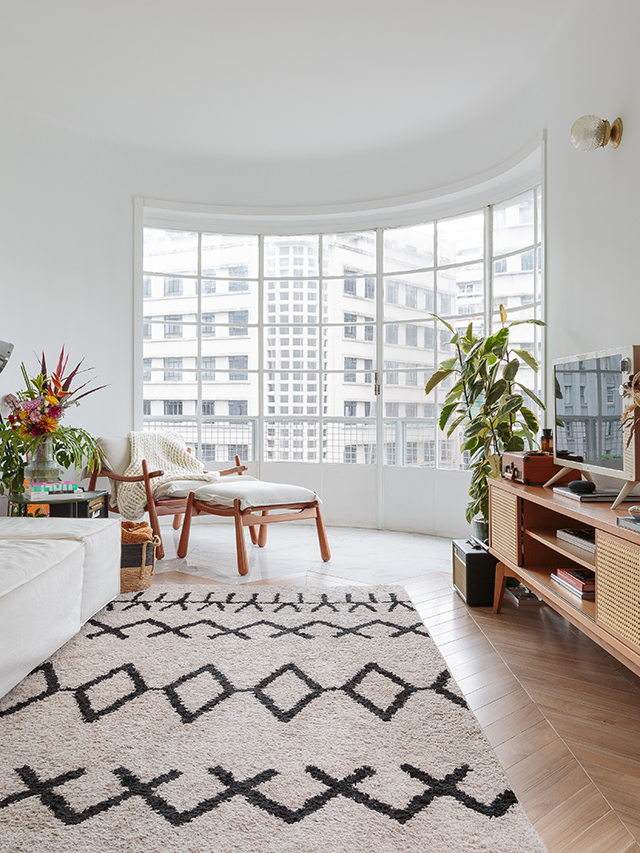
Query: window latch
x=376, y=386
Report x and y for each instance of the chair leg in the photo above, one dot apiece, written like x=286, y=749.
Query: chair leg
x=183, y=545
x=322, y=537
x=177, y=520
x=241, y=548
x=151, y=509
x=262, y=536
x=253, y=533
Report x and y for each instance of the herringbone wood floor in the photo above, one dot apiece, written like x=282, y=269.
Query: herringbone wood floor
x=562, y=715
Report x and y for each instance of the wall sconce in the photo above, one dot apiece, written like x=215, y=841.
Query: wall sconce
x=591, y=132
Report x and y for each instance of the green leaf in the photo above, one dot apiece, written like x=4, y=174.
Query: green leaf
x=530, y=419
x=436, y=378
x=516, y=443
x=455, y=393
x=533, y=396
x=475, y=427
x=446, y=414
x=444, y=323
x=454, y=425
x=528, y=322
x=496, y=392
x=513, y=404
x=510, y=370
x=528, y=358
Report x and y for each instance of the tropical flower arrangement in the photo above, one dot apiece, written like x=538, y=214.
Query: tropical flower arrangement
x=35, y=416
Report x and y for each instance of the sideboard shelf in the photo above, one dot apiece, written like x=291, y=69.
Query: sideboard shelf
x=523, y=525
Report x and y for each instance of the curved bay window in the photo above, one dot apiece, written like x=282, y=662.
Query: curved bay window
x=316, y=348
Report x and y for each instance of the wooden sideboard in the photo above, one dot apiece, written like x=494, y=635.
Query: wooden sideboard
x=523, y=522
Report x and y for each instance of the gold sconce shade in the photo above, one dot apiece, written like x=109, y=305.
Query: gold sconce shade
x=591, y=132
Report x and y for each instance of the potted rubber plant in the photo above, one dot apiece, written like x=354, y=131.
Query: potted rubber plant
x=488, y=401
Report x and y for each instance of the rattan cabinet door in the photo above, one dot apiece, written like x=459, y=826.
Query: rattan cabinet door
x=504, y=525
x=618, y=587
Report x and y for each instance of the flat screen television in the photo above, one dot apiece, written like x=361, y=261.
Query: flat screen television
x=588, y=411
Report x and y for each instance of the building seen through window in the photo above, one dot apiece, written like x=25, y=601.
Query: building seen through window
x=298, y=334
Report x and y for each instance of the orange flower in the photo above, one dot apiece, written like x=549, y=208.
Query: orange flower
x=48, y=424
x=51, y=400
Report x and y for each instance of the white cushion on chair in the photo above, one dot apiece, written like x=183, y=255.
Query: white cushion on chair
x=181, y=488
x=117, y=452
x=252, y=492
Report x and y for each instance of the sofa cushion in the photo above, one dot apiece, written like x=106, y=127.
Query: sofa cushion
x=101, y=562
x=40, y=599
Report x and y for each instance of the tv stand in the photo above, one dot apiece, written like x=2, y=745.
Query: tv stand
x=624, y=491
x=523, y=526
x=560, y=474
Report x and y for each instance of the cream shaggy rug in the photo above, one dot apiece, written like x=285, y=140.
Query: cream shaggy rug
x=194, y=719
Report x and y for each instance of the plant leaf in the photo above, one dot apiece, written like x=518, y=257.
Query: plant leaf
x=503, y=314
x=436, y=378
x=528, y=358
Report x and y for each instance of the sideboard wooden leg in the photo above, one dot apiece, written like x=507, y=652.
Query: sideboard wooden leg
x=498, y=592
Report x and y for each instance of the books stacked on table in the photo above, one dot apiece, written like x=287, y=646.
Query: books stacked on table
x=628, y=523
x=581, y=537
x=600, y=494
x=45, y=491
x=581, y=582
x=521, y=595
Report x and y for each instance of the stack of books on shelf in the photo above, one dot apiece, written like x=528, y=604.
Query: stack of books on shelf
x=46, y=491
x=581, y=582
x=580, y=537
x=521, y=595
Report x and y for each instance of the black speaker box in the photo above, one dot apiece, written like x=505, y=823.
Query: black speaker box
x=474, y=573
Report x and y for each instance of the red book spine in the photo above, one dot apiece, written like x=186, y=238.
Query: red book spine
x=583, y=586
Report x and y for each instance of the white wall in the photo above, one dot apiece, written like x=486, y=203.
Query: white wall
x=66, y=205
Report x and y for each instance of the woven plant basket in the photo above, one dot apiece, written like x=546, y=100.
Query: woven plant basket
x=138, y=556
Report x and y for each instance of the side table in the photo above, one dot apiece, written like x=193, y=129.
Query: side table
x=73, y=505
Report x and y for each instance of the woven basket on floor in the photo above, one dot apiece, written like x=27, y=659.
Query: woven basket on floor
x=138, y=558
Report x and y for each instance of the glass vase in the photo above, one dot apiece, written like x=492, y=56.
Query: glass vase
x=42, y=466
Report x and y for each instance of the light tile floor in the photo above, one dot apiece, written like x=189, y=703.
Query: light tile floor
x=357, y=554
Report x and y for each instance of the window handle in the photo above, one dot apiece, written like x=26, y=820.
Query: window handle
x=376, y=386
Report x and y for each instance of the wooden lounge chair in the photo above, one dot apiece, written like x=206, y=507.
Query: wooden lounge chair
x=250, y=503
x=116, y=456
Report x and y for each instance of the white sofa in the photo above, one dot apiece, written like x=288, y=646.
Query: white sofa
x=55, y=573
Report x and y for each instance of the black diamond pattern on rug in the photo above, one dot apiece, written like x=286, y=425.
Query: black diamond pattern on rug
x=83, y=693
x=358, y=680
x=221, y=690
x=285, y=672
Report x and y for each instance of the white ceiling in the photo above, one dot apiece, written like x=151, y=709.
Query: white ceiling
x=269, y=78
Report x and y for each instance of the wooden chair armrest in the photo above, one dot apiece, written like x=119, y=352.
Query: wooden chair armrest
x=237, y=470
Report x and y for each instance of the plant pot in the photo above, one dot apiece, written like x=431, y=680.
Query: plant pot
x=480, y=529
x=42, y=466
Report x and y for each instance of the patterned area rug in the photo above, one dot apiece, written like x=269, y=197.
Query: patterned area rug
x=200, y=719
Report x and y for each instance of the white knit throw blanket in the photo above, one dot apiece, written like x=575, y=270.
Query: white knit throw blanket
x=165, y=451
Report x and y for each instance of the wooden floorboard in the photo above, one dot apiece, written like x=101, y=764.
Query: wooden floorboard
x=562, y=715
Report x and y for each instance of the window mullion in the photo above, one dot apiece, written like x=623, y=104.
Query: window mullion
x=380, y=372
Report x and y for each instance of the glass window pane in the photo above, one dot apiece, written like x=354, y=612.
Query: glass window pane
x=294, y=301
x=230, y=256
x=350, y=443
x=292, y=348
x=354, y=386
x=223, y=439
x=291, y=257
x=461, y=238
x=408, y=296
x=408, y=248
x=461, y=290
x=170, y=251
x=236, y=308
x=348, y=254
x=513, y=224
x=339, y=343
x=409, y=346
x=295, y=440
x=292, y=393
x=513, y=281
